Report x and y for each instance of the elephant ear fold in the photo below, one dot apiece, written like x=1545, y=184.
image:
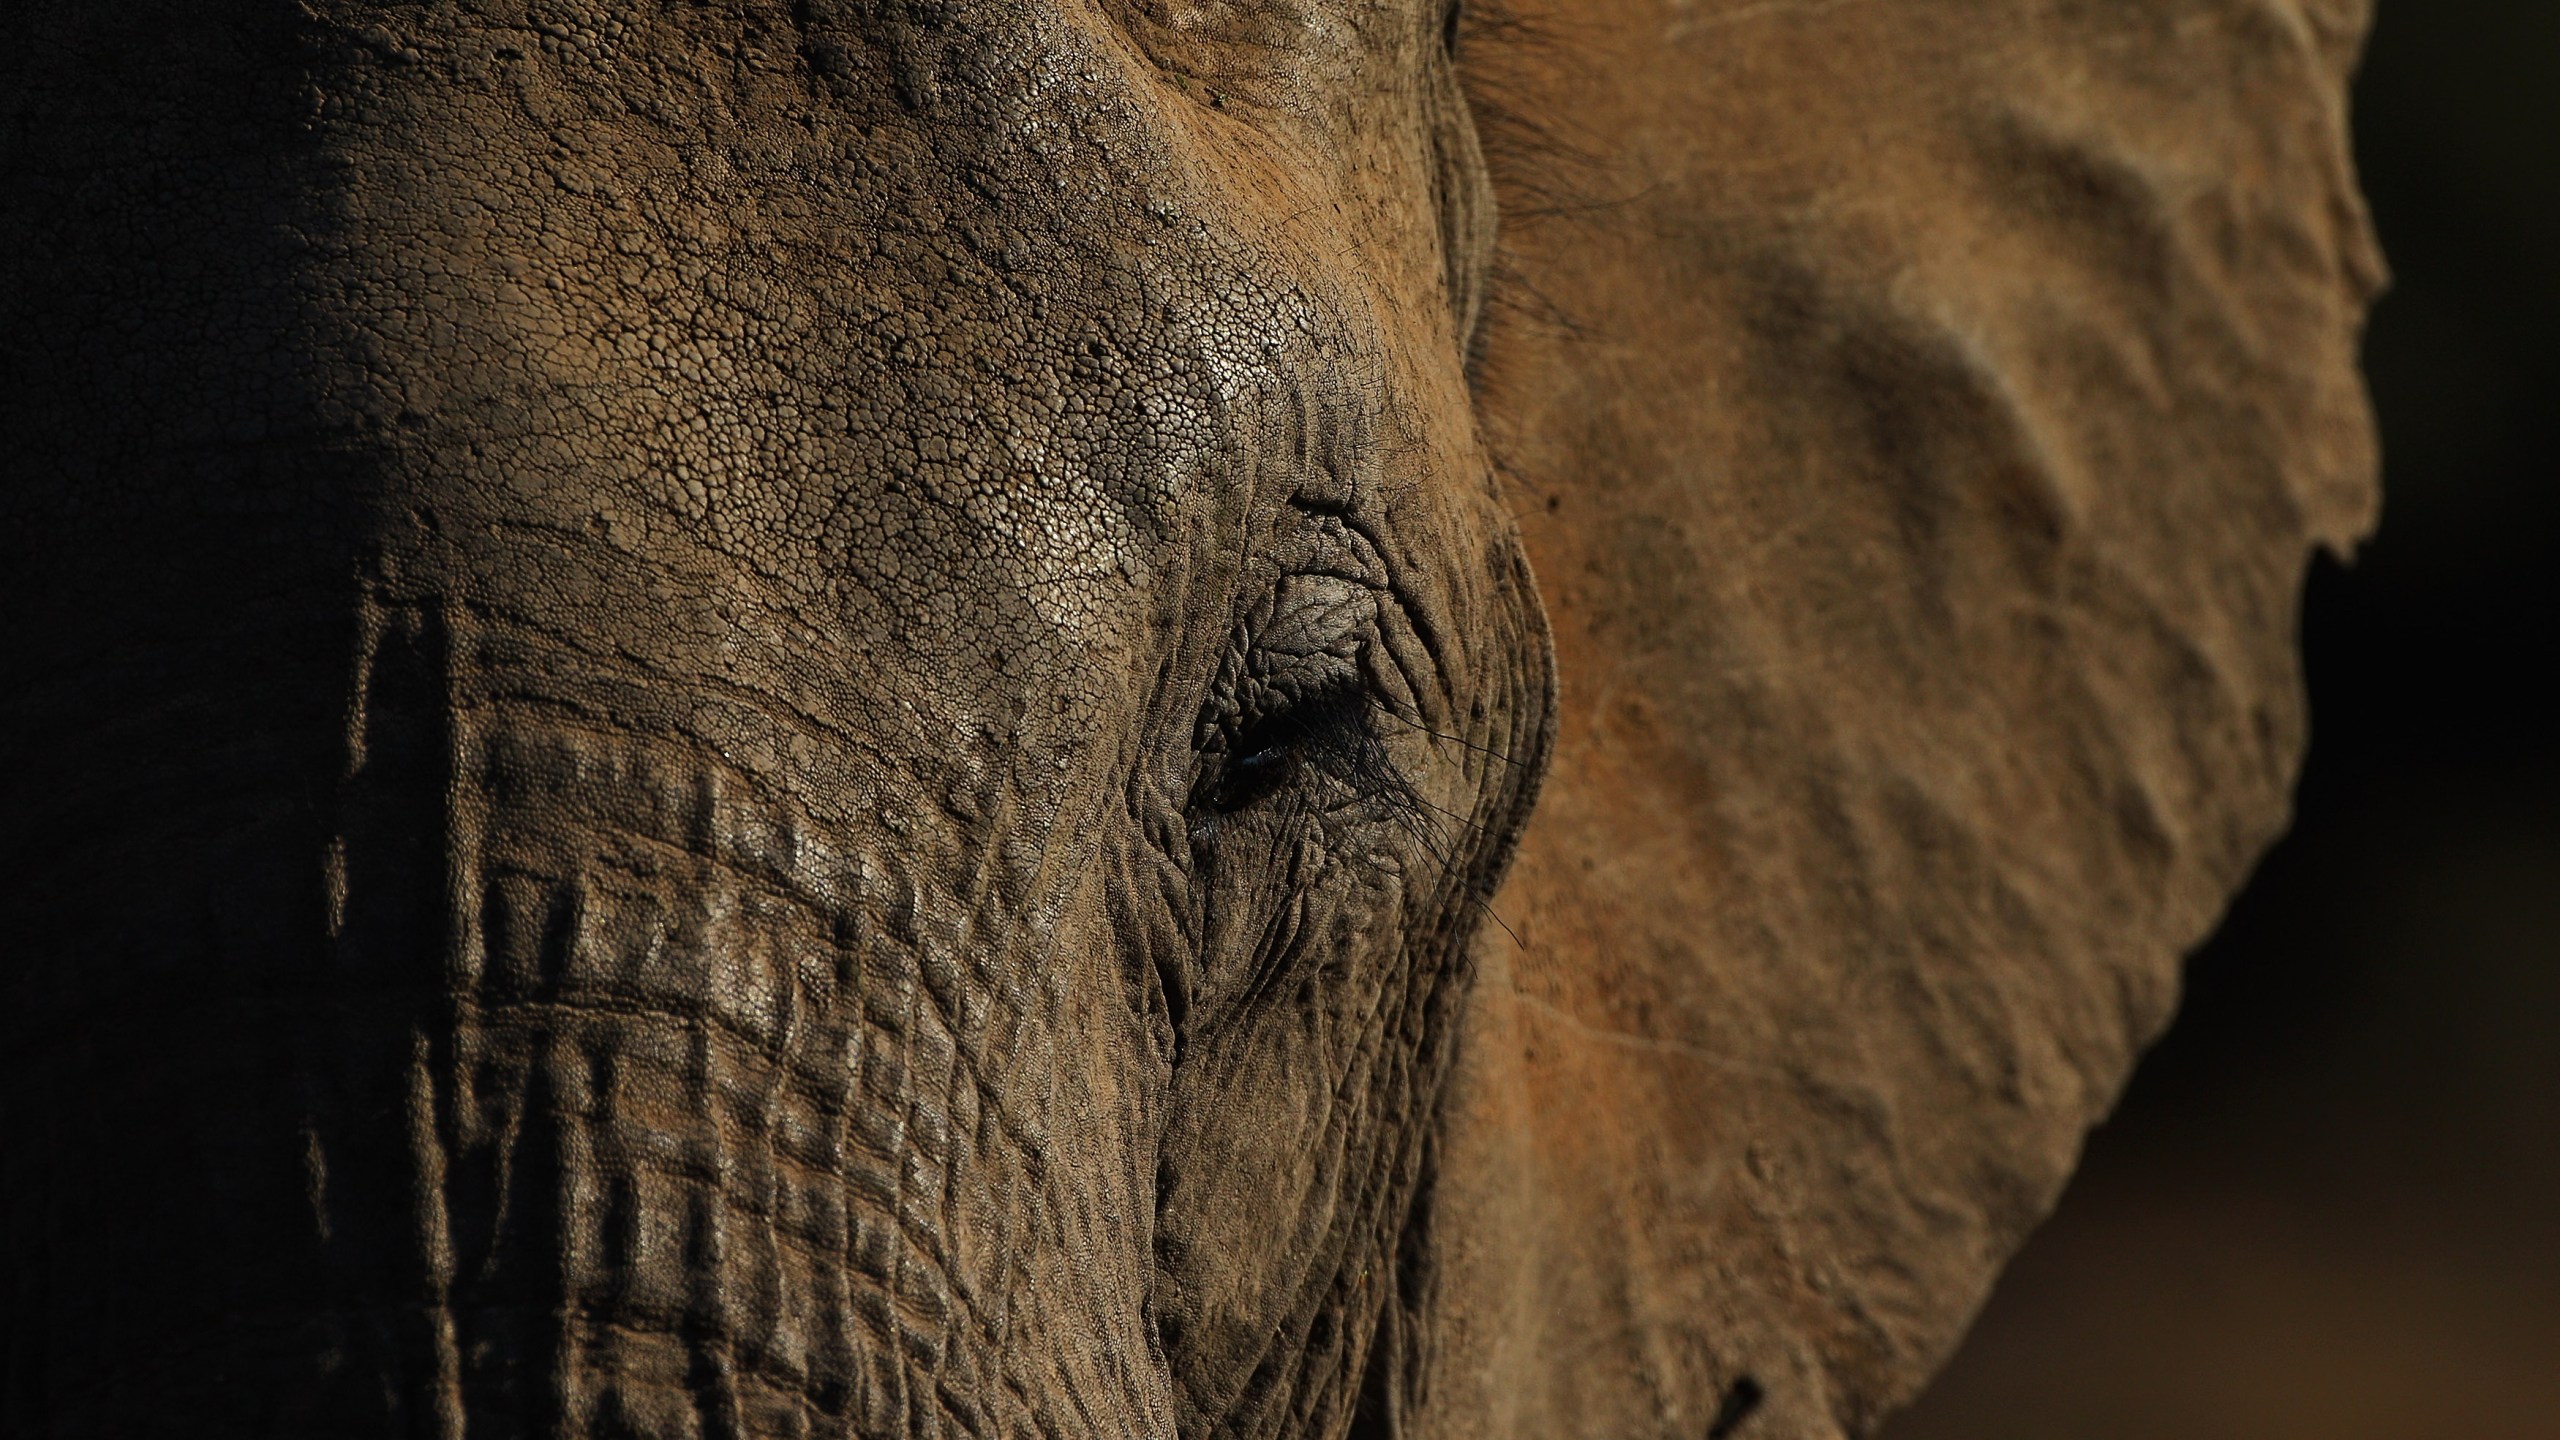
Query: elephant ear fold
x=1920, y=443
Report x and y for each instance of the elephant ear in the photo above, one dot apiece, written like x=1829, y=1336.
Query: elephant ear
x=1920, y=445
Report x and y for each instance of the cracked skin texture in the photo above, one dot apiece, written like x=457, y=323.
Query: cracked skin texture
x=766, y=720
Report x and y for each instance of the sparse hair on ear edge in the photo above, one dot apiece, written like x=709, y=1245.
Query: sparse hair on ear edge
x=1515, y=72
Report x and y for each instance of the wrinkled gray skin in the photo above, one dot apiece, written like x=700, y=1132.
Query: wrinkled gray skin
x=738, y=720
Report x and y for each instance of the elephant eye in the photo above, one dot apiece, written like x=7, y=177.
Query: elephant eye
x=1250, y=777
x=1325, y=732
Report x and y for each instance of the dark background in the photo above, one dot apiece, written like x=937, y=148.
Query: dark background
x=2329, y=1205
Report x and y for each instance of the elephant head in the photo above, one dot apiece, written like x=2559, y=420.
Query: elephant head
x=762, y=720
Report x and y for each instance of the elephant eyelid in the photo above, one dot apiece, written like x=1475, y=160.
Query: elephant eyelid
x=1325, y=731
x=1329, y=735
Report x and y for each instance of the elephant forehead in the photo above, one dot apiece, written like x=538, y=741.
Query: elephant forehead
x=975, y=350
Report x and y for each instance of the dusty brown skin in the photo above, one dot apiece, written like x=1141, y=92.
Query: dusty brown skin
x=775, y=720
x=1922, y=505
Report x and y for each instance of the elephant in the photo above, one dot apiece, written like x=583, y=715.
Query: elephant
x=1122, y=718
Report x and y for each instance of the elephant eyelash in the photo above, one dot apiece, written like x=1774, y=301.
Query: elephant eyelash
x=1332, y=734
x=1325, y=732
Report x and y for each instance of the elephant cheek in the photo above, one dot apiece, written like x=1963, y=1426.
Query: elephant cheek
x=1292, y=1164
